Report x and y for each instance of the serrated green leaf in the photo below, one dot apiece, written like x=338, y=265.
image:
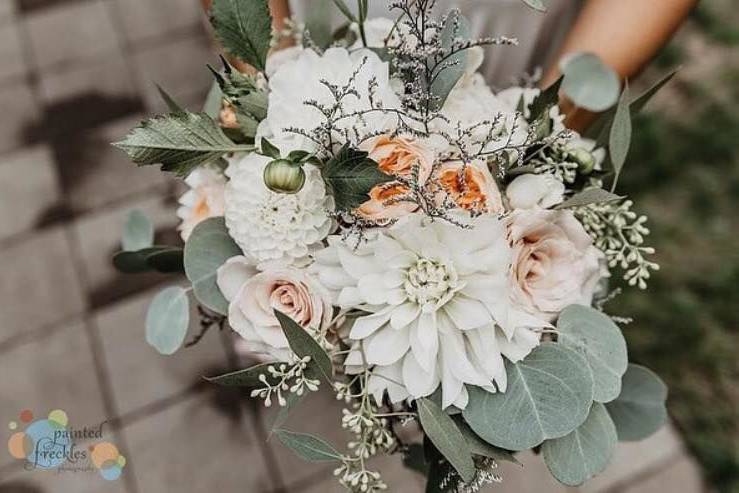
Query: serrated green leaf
x=167, y=320
x=244, y=28
x=549, y=394
x=446, y=75
x=166, y=259
x=303, y=344
x=350, y=175
x=546, y=99
x=587, y=451
x=208, y=248
x=248, y=377
x=603, y=344
x=173, y=105
x=589, y=83
x=308, y=447
x=589, y=196
x=639, y=411
x=138, y=232
x=446, y=437
x=180, y=142
x=619, y=140
x=536, y=5
x=213, y=102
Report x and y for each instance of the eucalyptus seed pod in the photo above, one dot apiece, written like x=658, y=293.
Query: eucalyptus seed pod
x=584, y=159
x=283, y=176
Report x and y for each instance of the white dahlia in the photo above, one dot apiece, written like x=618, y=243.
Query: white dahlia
x=271, y=226
x=439, y=301
x=301, y=79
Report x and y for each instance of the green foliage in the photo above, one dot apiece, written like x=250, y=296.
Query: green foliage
x=138, y=232
x=587, y=451
x=167, y=320
x=589, y=196
x=639, y=411
x=308, y=447
x=446, y=74
x=600, y=340
x=244, y=28
x=549, y=394
x=350, y=175
x=303, y=344
x=544, y=102
x=478, y=446
x=165, y=259
x=180, y=142
x=446, y=437
x=619, y=140
x=589, y=83
x=248, y=377
x=207, y=248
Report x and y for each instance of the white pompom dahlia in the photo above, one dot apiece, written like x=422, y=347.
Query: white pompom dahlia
x=439, y=297
x=271, y=226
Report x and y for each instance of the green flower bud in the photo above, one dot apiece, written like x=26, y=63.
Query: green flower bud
x=283, y=176
x=584, y=159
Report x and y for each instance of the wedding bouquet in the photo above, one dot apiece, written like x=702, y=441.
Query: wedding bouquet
x=369, y=216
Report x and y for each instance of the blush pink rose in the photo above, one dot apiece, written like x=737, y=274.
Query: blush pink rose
x=253, y=296
x=554, y=262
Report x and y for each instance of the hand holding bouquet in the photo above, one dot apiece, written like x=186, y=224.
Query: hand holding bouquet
x=371, y=217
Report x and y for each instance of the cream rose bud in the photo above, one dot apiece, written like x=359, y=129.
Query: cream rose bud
x=253, y=296
x=554, y=262
x=202, y=201
x=535, y=191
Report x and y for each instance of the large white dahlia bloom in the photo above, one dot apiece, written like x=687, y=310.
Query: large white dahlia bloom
x=304, y=79
x=439, y=297
x=271, y=226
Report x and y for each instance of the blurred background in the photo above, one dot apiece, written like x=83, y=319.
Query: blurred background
x=75, y=75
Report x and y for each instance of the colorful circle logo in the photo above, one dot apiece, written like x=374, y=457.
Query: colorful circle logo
x=44, y=443
x=109, y=461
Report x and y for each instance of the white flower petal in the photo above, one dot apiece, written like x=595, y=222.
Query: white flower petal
x=467, y=313
x=233, y=274
x=419, y=382
x=387, y=346
x=365, y=326
x=403, y=315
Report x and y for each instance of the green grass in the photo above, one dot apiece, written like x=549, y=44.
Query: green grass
x=685, y=175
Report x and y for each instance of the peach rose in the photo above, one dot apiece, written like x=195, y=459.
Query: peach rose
x=471, y=187
x=396, y=156
x=205, y=199
x=554, y=262
x=254, y=295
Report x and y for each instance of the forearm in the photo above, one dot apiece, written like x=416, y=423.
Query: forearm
x=626, y=34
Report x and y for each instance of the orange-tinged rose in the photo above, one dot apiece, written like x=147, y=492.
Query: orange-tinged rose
x=385, y=203
x=398, y=156
x=471, y=188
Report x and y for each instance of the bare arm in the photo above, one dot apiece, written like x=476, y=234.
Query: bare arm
x=626, y=34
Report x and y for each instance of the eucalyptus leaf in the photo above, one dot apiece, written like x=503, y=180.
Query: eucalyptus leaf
x=350, y=176
x=603, y=344
x=589, y=83
x=248, y=377
x=308, y=447
x=589, y=196
x=208, y=248
x=244, y=27
x=303, y=344
x=536, y=5
x=180, y=142
x=167, y=320
x=280, y=418
x=549, y=394
x=639, y=411
x=620, y=138
x=138, y=232
x=446, y=437
x=164, y=259
x=478, y=446
x=587, y=451
x=447, y=73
